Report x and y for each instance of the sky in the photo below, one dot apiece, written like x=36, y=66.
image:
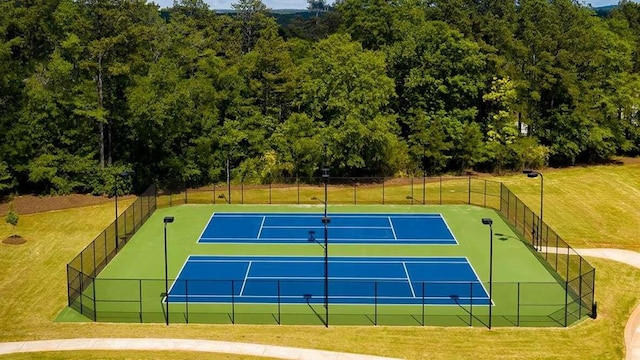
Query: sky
x=302, y=4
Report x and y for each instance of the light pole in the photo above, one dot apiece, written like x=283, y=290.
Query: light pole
x=532, y=174
x=167, y=220
x=489, y=221
x=325, y=221
x=115, y=185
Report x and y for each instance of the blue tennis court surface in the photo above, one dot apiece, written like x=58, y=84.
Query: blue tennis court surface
x=352, y=280
x=343, y=228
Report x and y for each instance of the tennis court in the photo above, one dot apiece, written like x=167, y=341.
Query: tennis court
x=352, y=280
x=226, y=227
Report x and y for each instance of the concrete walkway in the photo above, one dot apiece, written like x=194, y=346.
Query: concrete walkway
x=277, y=352
x=631, y=335
x=632, y=329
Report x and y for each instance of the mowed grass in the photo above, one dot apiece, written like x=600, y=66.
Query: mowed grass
x=33, y=286
x=587, y=206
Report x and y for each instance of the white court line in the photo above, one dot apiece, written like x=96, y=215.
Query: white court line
x=206, y=226
x=448, y=228
x=408, y=279
x=392, y=229
x=246, y=275
x=176, y=279
x=320, y=226
x=261, y=227
x=257, y=259
x=330, y=278
x=479, y=281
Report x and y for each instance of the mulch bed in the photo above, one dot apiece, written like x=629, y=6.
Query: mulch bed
x=30, y=204
x=14, y=240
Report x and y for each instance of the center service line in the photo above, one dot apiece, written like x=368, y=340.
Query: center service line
x=246, y=275
x=408, y=278
x=392, y=229
x=261, y=227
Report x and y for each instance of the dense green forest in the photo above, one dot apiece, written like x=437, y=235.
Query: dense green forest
x=89, y=88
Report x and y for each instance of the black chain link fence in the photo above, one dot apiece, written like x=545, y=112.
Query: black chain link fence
x=524, y=304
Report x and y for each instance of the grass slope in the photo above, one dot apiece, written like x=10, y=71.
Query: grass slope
x=33, y=290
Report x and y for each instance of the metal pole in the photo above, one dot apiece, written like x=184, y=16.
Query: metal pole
x=166, y=273
x=541, y=208
x=490, y=272
x=115, y=185
x=325, y=220
x=228, y=181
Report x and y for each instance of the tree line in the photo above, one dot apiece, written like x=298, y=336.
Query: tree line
x=90, y=88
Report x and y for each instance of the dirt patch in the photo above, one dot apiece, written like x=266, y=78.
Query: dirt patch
x=14, y=240
x=29, y=204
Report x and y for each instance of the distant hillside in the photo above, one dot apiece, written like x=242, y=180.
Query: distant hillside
x=603, y=11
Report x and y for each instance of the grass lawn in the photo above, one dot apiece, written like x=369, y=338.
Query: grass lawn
x=33, y=286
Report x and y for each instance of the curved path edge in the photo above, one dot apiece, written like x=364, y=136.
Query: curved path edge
x=632, y=329
x=159, y=344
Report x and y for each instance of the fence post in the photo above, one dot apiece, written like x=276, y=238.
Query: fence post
x=518, y=308
x=298, y=187
x=424, y=189
x=423, y=303
x=566, y=301
x=580, y=289
x=214, y=193
x=484, y=203
x=269, y=191
x=355, y=201
x=95, y=308
x=375, y=303
x=140, y=297
x=469, y=191
x=186, y=300
x=471, y=304
x=81, y=281
x=94, y=272
x=501, y=197
x=242, y=191
x=106, y=253
x=411, y=189
x=383, y=179
x=69, y=285
x=440, y=189
x=233, y=305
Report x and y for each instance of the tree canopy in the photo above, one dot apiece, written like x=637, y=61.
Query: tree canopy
x=94, y=87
